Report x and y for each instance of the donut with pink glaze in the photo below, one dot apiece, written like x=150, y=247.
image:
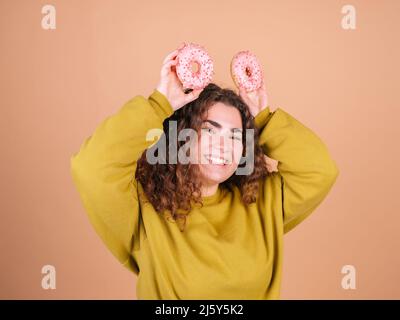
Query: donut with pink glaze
x=246, y=71
x=194, y=55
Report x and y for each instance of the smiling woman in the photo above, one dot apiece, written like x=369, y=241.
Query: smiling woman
x=201, y=231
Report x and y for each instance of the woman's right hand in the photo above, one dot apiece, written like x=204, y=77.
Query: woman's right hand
x=170, y=85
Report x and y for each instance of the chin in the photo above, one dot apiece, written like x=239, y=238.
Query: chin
x=217, y=173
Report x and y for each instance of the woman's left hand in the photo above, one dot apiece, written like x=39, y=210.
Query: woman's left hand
x=257, y=100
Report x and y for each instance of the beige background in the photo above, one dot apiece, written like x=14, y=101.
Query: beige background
x=57, y=85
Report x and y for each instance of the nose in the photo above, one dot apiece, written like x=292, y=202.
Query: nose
x=222, y=146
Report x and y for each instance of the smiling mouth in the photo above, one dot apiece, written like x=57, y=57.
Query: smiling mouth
x=216, y=160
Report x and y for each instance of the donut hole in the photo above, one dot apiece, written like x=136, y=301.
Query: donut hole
x=194, y=67
x=248, y=71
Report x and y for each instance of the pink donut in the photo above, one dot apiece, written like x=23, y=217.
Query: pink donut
x=246, y=71
x=189, y=54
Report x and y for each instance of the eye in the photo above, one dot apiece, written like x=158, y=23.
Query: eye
x=237, y=137
x=208, y=130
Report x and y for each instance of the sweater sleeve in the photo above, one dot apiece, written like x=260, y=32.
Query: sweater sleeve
x=306, y=168
x=103, y=172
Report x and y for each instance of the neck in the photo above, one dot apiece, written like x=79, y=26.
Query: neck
x=209, y=190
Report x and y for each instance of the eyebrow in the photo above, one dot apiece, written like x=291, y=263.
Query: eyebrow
x=216, y=124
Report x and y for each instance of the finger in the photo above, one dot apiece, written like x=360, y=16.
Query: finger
x=171, y=56
x=245, y=99
x=182, y=45
x=263, y=93
x=170, y=63
x=246, y=92
x=174, y=53
x=242, y=92
x=263, y=87
x=166, y=68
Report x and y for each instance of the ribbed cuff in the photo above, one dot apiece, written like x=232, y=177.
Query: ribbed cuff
x=261, y=118
x=158, y=100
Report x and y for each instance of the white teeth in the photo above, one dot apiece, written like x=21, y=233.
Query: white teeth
x=217, y=160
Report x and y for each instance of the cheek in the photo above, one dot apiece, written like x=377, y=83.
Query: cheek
x=197, y=149
x=204, y=145
x=237, y=152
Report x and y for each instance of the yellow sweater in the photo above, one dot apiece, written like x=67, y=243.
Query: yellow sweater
x=228, y=250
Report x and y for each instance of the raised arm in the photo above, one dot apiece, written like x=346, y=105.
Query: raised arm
x=103, y=172
x=308, y=171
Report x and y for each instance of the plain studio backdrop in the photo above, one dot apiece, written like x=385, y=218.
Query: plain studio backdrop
x=58, y=84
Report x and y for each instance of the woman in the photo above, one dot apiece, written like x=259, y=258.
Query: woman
x=200, y=230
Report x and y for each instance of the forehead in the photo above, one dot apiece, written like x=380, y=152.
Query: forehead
x=227, y=116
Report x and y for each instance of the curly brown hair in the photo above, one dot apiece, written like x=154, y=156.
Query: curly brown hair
x=174, y=188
